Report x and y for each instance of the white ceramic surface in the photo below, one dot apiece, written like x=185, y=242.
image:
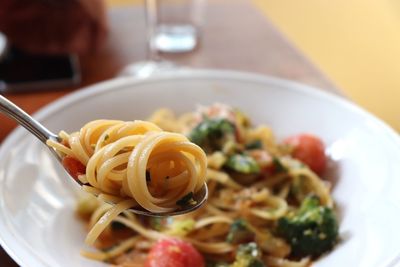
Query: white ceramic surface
x=37, y=223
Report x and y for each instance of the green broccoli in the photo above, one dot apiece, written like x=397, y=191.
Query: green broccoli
x=311, y=230
x=211, y=134
x=248, y=255
x=244, y=169
x=239, y=232
x=242, y=164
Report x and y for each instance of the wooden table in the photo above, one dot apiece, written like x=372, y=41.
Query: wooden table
x=235, y=36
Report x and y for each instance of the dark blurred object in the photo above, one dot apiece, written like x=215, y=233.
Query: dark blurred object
x=24, y=72
x=3, y=45
x=54, y=26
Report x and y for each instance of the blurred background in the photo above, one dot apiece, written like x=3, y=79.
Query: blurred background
x=354, y=44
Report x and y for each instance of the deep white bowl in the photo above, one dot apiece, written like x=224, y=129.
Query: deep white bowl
x=37, y=223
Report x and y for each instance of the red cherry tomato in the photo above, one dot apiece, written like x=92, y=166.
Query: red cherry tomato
x=173, y=252
x=310, y=150
x=73, y=166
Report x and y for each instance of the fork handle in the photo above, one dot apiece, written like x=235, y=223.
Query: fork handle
x=16, y=113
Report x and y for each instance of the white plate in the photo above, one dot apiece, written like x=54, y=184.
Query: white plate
x=37, y=223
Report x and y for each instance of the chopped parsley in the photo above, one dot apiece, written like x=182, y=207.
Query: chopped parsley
x=257, y=144
x=211, y=134
x=239, y=232
x=186, y=200
x=278, y=166
x=157, y=223
x=106, y=137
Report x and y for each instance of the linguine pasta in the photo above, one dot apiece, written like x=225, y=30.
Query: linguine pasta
x=254, y=183
x=132, y=164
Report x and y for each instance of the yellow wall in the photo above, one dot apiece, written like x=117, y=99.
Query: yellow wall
x=356, y=43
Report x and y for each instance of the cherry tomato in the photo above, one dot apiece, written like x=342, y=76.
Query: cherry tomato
x=73, y=166
x=310, y=150
x=173, y=252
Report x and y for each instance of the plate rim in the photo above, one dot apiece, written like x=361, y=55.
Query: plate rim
x=29, y=258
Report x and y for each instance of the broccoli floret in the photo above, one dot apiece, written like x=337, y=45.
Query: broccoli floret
x=248, y=255
x=311, y=230
x=239, y=232
x=211, y=134
x=244, y=169
x=242, y=164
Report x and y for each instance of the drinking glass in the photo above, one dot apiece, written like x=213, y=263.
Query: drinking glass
x=176, y=24
x=172, y=26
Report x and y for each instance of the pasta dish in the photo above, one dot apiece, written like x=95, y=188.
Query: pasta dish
x=268, y=204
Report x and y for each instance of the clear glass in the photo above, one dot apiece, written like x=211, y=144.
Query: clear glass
x=173, y=26
x=175, y=38
x=176, y=24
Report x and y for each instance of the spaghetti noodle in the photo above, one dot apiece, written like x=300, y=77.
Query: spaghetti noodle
x=263, y=200
x=132, y=164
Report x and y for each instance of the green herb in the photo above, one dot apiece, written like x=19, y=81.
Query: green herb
x=239, y=232
x=106, y=137
x=242, y=164
x=211, y=134
x=278, y=166
x=248, y=255
x=257, y=144
x=157, y=223
x=186, y=200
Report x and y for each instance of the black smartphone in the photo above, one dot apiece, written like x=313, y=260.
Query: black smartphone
x=24, y=72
